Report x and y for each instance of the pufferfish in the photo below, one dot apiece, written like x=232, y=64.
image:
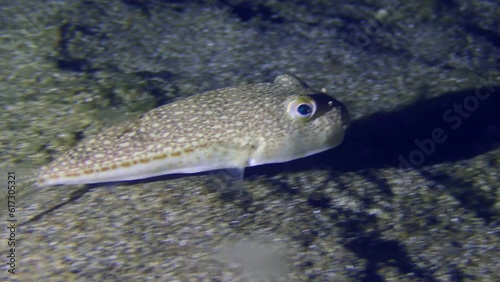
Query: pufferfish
x=234, y=127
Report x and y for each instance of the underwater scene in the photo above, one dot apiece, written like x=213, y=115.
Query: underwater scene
x=234, y=140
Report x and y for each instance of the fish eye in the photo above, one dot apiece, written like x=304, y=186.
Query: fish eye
x=304, y=110
x=301, y=107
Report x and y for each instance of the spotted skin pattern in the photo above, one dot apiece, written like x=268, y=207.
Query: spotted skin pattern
x=231, y=127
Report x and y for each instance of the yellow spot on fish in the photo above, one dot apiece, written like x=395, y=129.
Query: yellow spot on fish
x=159, y=157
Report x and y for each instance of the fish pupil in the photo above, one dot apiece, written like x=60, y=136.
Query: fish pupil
x=304, y=109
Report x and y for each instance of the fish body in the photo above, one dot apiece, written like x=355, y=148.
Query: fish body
x=232, y=127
